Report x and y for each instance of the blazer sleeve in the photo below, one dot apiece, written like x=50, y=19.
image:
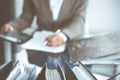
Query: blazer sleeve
x=25, y=18
x=75, y=26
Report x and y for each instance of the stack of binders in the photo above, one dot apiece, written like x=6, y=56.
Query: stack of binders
x=32, y=72
x=22, y=72
x=54, y=74
x=5, y=70
x=75, y=73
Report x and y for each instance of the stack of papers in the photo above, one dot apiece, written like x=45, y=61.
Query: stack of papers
x=37, y=43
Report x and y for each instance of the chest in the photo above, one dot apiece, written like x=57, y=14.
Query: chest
x=44, y=6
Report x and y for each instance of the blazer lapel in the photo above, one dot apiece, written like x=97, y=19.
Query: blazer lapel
x=46, y=9
x=64, y=8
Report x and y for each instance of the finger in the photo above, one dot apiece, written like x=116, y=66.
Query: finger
x=7, y=29
x=56, y=42
x=48, y=39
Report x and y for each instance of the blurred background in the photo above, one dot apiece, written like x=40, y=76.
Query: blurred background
x=102, y=16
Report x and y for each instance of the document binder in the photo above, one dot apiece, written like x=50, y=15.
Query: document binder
x=51, y=74
x=32, y=74
x=113, y=77
x=15, y=72
x=42, y=74
x=25, y=72
x=62, y=75
x=87, y=75
x=5, y=69
x=69, y=73
x=22, y=72
x=78, y=73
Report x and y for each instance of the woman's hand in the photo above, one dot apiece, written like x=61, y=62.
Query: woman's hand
x=55, y=40
x=6, y=29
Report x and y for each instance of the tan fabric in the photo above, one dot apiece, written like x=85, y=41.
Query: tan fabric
x=71, y=18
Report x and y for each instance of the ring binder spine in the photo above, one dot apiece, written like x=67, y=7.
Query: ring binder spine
x=42, y=75
x=69, y=73
x=62, y=75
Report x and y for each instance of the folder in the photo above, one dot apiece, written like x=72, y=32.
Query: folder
x=5, y=69
x=42, y=74
x=61, y=73
x=22, y=72
x=82, y=73
x=78, y=73
x=114, y=76
x=69, y=74
x=32, y=74
x=51, y=74
x=15, y=72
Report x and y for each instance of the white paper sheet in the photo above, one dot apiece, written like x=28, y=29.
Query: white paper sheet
x=37, y=43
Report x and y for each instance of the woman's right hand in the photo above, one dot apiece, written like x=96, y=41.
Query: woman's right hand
x=6, y=29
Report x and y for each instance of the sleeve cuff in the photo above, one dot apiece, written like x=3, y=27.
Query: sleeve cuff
x=63, y=36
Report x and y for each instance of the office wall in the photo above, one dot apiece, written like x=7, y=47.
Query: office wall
x=103, y=16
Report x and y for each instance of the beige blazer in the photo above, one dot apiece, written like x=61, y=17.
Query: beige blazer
x=71, y=18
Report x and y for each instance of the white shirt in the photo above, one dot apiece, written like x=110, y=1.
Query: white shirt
x=55, y=6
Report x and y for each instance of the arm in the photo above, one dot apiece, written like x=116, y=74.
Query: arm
x=75, y=26
x=26, y=17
